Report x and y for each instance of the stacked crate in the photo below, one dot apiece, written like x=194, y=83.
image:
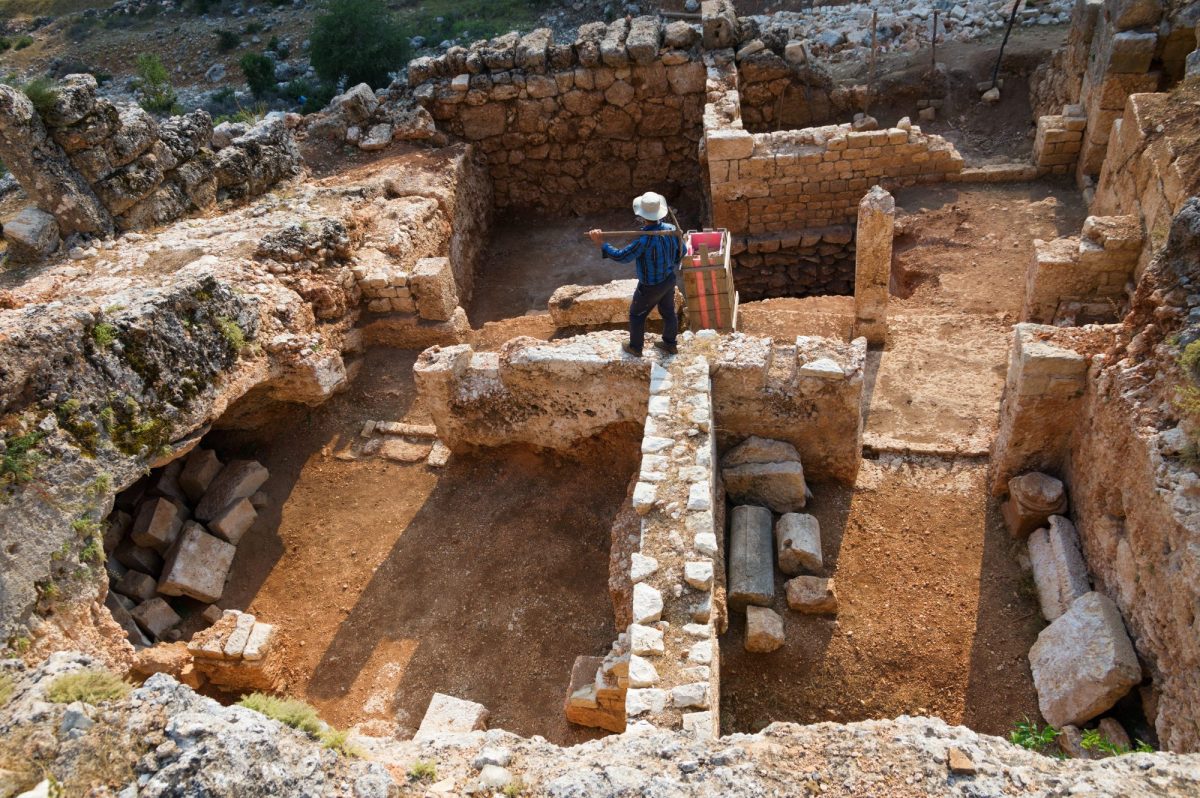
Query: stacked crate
x=707, y=277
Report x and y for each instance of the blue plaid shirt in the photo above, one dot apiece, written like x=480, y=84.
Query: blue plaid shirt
x=657, y=256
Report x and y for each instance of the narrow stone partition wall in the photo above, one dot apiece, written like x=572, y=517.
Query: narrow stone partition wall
x=873, y=264
x=678, y=570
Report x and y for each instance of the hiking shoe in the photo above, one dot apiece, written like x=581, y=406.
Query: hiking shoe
x=670, y=349
x=629, y=350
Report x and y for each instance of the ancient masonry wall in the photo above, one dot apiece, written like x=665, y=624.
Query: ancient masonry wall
x=788, y=197
x=664, y=668
x=100, y=166
x=581, y=126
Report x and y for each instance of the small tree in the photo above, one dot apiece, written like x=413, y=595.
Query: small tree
x=360, y=41
x=260, y=73
x=154, y=83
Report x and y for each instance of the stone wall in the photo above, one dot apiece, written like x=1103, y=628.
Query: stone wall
x=1085, y=277
x=1058, y=140
x=583, y=126
x=807, y=392
x=813, y=262
x=1057, y=82
x=100, y=166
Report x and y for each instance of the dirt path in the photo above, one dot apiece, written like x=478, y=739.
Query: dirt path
x=483, y=580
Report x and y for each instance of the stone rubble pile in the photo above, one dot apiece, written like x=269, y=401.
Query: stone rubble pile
x=238, y=653
x=400, y=442
x=372, y=120
x=842, y=33
x=764, y=477
x=173, y=538
x=1084, y=661
x=96, y=166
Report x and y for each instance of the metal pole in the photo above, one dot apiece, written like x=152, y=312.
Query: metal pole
x=634, y=233
x=1011, y=19
x=871, y=80
x=933, y=45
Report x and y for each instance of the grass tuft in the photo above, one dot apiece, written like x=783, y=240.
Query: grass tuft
x=104, y=335
x=289, y=711
x=7, y=687
x=90, y=687
x=423, y=770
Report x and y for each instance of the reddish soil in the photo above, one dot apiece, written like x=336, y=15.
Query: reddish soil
x=483, y=580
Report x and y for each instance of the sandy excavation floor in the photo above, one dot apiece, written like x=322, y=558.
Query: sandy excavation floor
x=936, y=615
x=483, y=580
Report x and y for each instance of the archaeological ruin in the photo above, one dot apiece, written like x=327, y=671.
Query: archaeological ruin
x=324, y=470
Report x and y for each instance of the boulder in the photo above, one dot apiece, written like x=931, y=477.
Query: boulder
x=356, y=104
x=680, y=35
x=1059, y=570
x=377, y=138
x=1083, y=662
x=798, y=543
x=74, y=98
x=813, y=595
x=31, y=235
x=764, y=630
x=1032, y=499
x=643, y=39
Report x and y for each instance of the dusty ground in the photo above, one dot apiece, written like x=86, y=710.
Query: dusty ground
x=935, y=618
x=483, y=580
x=936, y=614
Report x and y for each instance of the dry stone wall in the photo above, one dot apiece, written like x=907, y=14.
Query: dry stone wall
x=96, y=166
x=583, y=125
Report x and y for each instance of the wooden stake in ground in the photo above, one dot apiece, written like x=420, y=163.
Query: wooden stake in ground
x=1011, y=19
x=933, y=46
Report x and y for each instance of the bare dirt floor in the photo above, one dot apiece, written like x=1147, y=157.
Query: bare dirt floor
x=483, y=580
x=936, y=614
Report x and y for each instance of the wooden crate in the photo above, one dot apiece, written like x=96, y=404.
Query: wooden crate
x=707, y=277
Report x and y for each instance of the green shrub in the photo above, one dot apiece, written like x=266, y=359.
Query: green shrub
x=22, y=42
x=251, y=28
x=1093, y=740
x=423, y=770
x=227, y=40
x=289, y=711
x=260, y=73
x=42, y=92
x=104, y=334
x=154, y=84
x=90, y=687
x=19, y=460
x=1027, y=735
x=5, y=43
x=203, y=6
x=232, y=332
x=359, y=41
x=278, y=47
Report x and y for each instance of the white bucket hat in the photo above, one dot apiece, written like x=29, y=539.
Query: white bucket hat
x=651, y=206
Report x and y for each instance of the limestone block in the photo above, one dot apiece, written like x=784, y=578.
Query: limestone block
x=1059, y=570
x=1126, y=14
x=73, y=99
x=729, y=144
x=594, y=305
x=233, y=522
x=679, y=35
x=645, y=640
x=432, y=284
x=259, y=641
x=612, y=47
x=166, y=484
x=137, y=585
x=760, y=450
x=798, y=543
x=31, y=235
x=699, y=574
x=812, y=594
x=197, y=565
x=647, y=603
x=124, y=619
x=199, y=470
x=239, y=479
x=157, y=524
x=355, y=104
x=699, y=725
x=1129, y=52
x=764, y=630
x=235, y=642
x=155, y=616
x=690, y=696
x=650, y=700
x=447, y=715
x=873, y=264
x=751, y=571
x=138, y=557
x=643, y=39
x=641, y=672
x=1032, y=499
x=779, y=486
x=1083, y=662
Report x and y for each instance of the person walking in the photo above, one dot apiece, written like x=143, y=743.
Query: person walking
x=658, y=258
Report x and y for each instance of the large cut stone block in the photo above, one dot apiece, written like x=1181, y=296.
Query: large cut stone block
x=798, y=543
x=197, y=565
x=199, y=471
x=121, y=615
x=764, y=630
x=447, y=715
x=1032, y=499
x=234, y=521
x=1083, y=662
x=155, y=616
x=237, y=480
x=751, y=572
x=779, y=486
x=1059, y=570
x=137, y=585
x=812, y=594
x=1126, y=14
x=729, y=145
x=432, y=285
x=138, y=557
x=157, y=525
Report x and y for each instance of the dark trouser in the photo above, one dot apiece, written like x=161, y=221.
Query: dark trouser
x=645, y=299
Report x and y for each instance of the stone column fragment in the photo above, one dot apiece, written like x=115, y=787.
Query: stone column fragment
x=873, y=264
x=43, y=170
